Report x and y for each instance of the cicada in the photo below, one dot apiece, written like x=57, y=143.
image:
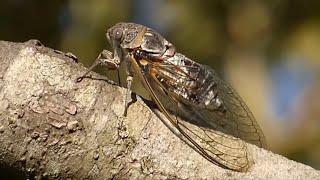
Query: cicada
x=208, y=113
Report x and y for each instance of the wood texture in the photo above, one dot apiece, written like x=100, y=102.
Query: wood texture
x=55, y=128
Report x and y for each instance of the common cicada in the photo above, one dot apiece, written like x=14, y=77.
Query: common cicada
x=211, y=117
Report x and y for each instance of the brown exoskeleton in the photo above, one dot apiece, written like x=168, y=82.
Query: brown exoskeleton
x=126, y=38
x=205, y=110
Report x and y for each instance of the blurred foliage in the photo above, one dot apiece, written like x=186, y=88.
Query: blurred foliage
x=243, y=40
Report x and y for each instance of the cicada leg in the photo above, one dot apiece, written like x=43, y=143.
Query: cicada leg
x=128, y=95
x=105, y=58
x=129, y=84
x=112, y=61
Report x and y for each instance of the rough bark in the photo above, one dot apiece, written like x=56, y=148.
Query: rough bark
x=52, y=127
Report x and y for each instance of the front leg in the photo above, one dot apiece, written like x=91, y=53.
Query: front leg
x=105, y=58
x=128, y=94
x=129, y=84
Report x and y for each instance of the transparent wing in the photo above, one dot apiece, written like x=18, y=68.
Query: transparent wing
x=238, y=119
x=220, y=148
x=233, y=118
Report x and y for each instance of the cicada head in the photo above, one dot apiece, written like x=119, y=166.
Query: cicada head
x=126, y=35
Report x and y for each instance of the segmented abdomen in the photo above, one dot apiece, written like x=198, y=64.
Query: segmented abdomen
x=189, y=81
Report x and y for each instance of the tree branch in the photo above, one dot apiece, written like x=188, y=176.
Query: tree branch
x=52, y=127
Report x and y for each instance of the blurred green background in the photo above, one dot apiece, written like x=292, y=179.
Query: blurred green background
x=268, y=50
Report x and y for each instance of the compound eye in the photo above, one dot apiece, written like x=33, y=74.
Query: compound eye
x=117, y=34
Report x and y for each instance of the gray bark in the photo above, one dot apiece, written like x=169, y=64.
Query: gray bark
x=55, y=128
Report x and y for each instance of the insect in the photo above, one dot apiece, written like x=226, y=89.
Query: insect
x=211, y=117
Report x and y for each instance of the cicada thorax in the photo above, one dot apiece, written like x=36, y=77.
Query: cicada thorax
x=133, y=36
x=153, y=42
x=147, y=44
